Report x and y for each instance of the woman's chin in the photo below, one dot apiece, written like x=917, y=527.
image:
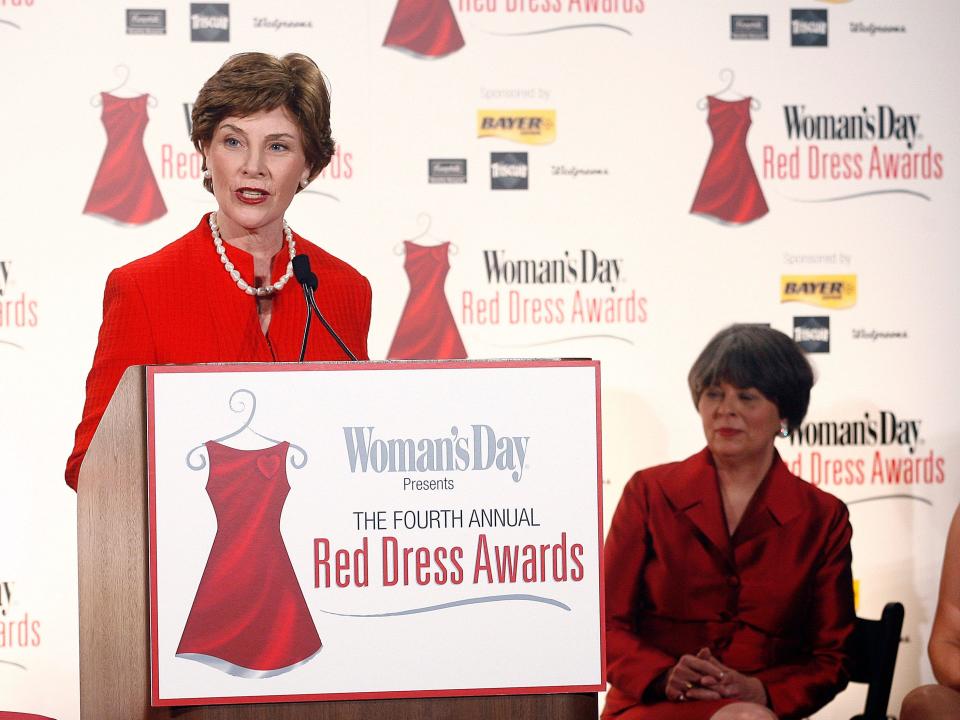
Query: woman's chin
x=735, y=450
x=247, y=217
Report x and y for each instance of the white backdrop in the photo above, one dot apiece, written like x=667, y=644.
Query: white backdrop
x=627, y=80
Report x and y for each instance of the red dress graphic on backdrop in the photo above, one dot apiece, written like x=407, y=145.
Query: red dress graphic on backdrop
x=427, y=330
x=424, y=27
x=125, y=188
x=249, y=618
x=729, y=190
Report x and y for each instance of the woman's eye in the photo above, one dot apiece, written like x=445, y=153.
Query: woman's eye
x=231, y=142
x=278, y=147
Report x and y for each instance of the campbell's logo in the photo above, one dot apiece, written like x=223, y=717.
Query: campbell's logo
x=146, y=22
x=830, y=291
x=532, y=127
x=880, y=123
x=447, y=170
x=749, y=27
x=17, y=628
x=479, y=448
x=883, y=428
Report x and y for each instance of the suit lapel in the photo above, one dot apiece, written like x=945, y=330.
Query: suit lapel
x=776, y=502
x=694, y=494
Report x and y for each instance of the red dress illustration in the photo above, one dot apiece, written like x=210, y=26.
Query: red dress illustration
x=729, y=190
x=427, y=330
x=249, y=618
x=125, y=188
x=424, y=27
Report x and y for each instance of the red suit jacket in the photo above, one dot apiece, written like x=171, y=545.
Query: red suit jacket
x=180, y=306
x=774, y=601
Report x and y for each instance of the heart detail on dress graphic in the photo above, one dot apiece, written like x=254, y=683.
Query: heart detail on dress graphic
x=268, y=464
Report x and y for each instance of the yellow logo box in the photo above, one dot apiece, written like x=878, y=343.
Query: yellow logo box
x=829, y=291
x=531, y=127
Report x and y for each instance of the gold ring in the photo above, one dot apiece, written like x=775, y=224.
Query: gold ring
x=689, y=685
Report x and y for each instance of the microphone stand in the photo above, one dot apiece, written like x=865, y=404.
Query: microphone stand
x=311, y=301
x=308, y=281
x=307, y=294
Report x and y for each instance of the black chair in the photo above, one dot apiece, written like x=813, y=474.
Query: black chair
x=873, y=654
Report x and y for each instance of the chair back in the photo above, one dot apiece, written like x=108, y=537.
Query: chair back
x=873, y=654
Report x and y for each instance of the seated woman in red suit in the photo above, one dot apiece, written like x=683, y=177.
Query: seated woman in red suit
x=222, y=292
x=729, y=592
x=942, y=701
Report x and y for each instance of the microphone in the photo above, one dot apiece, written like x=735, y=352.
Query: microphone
x=301, y=271
x=308, y=281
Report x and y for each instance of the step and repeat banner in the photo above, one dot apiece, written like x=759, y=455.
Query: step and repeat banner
x=612, y=179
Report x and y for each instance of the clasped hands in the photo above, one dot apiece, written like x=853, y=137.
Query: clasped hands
x=703, y=677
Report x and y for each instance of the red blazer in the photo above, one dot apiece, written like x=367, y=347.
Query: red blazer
x=774, y=601
x=180, y=306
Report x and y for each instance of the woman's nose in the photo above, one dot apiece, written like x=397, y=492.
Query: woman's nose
x=253, y=162
x=726, y=405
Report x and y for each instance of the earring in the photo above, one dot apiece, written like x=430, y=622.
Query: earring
x=304, y=182
x=206, y=174
x=784, y=430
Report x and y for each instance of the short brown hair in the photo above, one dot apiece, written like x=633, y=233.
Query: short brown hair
x=759, y=357
x=252, y=82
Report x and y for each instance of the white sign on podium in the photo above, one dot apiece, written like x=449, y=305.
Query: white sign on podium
x=372, y=530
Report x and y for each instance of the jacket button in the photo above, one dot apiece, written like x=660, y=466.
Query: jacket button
x=733, y=581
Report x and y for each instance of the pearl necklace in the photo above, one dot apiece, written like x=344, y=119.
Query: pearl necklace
x=235, y=274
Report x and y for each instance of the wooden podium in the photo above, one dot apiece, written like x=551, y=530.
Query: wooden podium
x=112, y=529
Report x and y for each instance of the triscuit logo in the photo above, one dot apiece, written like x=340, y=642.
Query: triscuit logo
x=808, y=28
x=812, y=333
x=509, y=171
x=531, y=127
x=210, y=22
x=829, y=291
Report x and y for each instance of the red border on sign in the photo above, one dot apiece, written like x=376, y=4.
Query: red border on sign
x=153, y=370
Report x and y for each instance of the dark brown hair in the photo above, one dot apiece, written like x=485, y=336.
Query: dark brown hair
x=252, y=82
x=759, y=357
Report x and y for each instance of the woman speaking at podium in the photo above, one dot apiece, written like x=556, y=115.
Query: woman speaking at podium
x=221, y=293
x=728, y=581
